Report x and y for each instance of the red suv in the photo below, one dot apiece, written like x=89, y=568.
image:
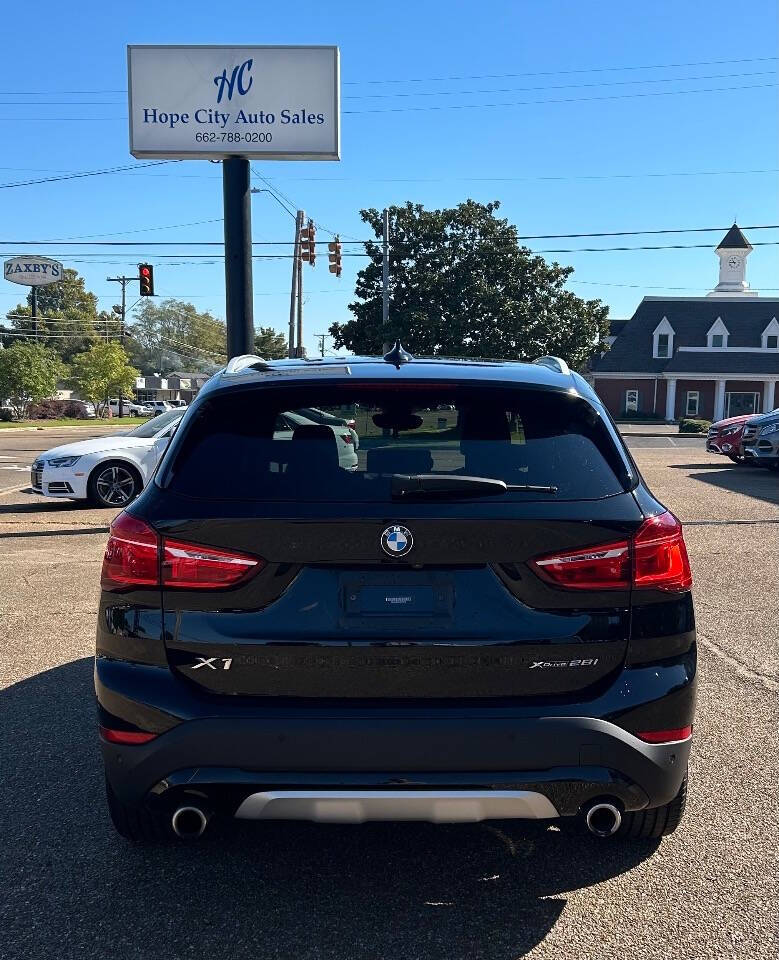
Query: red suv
x=725, y=437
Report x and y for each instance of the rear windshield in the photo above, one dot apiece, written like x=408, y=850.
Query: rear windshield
x=351, y=443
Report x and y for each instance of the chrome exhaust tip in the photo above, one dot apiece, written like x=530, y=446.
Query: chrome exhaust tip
x=189, y=823
x=603, y=819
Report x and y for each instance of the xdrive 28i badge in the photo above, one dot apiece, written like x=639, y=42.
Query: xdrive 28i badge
x=397, y=541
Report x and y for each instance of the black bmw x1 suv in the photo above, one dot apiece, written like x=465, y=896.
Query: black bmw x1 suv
x=479, y=612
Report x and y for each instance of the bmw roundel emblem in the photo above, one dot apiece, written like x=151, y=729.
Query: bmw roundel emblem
x=397, y=541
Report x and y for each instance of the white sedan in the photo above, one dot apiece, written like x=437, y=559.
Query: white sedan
x=109, y=470
x=288, y=422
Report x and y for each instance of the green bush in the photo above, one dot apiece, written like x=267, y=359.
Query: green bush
x=634, y=415
x=694, y=426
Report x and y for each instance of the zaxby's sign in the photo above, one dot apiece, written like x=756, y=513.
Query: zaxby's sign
x=278, y=103
x=32, y=271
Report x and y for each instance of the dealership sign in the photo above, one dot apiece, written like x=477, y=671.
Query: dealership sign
x=32, y=271
x=277, y=103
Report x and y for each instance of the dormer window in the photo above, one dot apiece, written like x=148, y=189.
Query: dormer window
x=717, y=337
x=770, y=336
x=663, y=340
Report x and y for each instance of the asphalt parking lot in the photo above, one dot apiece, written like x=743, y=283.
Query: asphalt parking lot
x=499, y=891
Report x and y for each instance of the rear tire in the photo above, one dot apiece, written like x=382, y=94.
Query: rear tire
x=137, y=823
x=657, y=822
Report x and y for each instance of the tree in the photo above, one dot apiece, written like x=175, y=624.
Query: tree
x=269, y=344
x=102, y=372
x=28, y=374
x=68, y=319
x=174, y=335
x=461, y=285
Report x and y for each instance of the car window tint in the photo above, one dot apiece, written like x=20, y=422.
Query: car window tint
x=346, y=444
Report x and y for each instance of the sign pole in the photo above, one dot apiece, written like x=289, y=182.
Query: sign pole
x=34, y=291
x=238, y=256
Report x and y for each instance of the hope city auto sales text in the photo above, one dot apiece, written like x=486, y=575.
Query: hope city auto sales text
x=207, y=116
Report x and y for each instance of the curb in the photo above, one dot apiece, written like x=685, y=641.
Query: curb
x=673, y=436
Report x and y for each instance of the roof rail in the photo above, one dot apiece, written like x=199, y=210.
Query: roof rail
x=555, y=363
x=236, y=364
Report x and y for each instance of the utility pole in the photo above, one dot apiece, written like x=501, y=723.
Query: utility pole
x=294, y=290
x=321, y=337
x=123, y=281
x=385, y=273
x=239, y=311
x=299, y=344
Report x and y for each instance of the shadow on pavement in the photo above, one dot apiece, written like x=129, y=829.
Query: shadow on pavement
x=39, y=504
x=754, y=482
x=72, y=888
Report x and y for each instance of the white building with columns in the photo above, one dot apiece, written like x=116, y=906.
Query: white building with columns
x=707, y=357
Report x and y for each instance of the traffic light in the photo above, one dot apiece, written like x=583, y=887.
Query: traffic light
x=146, y=276
x=334, y=256
x=308, y=243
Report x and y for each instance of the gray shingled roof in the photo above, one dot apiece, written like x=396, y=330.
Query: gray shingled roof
x=690, y=318
x=729, y=362
x=734, y=239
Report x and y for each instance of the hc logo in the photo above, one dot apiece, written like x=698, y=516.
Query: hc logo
x=236, y=78
x=396, y=541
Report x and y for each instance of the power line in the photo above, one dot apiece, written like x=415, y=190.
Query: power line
x=116, y=233
x=530, y=103
x=85, y=173
x=564, y=86
x=134, y=172
x=481, y=76
x=435, y=93
x=554, y=73
x=183, y=343
x=448, y=106
x=278, y=243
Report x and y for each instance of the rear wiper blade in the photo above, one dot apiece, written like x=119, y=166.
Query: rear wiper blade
x=455, y=485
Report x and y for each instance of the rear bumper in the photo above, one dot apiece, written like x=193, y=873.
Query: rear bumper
x=227, y=749
x=568, y=760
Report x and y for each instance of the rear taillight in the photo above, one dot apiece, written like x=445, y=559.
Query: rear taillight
x=660, y=558
x=605, y=567
x=137, y=556
x=131, y=555
x=666, y=736
x=654, y=559
x=197, y=568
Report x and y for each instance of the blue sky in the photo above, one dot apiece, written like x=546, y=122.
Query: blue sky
x=594, y=164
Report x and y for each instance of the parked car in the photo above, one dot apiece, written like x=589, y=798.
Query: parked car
x=492, y=623
x=321, y=416
x=130, y=408
x=761, y=440
x=725, y=437
x=291, y=420
x=109, y=470
x=178, y=404
x=159, y=406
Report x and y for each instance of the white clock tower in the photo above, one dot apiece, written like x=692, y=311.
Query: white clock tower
x=733, y=252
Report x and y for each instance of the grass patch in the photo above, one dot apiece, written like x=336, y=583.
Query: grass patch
x=115, y=422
